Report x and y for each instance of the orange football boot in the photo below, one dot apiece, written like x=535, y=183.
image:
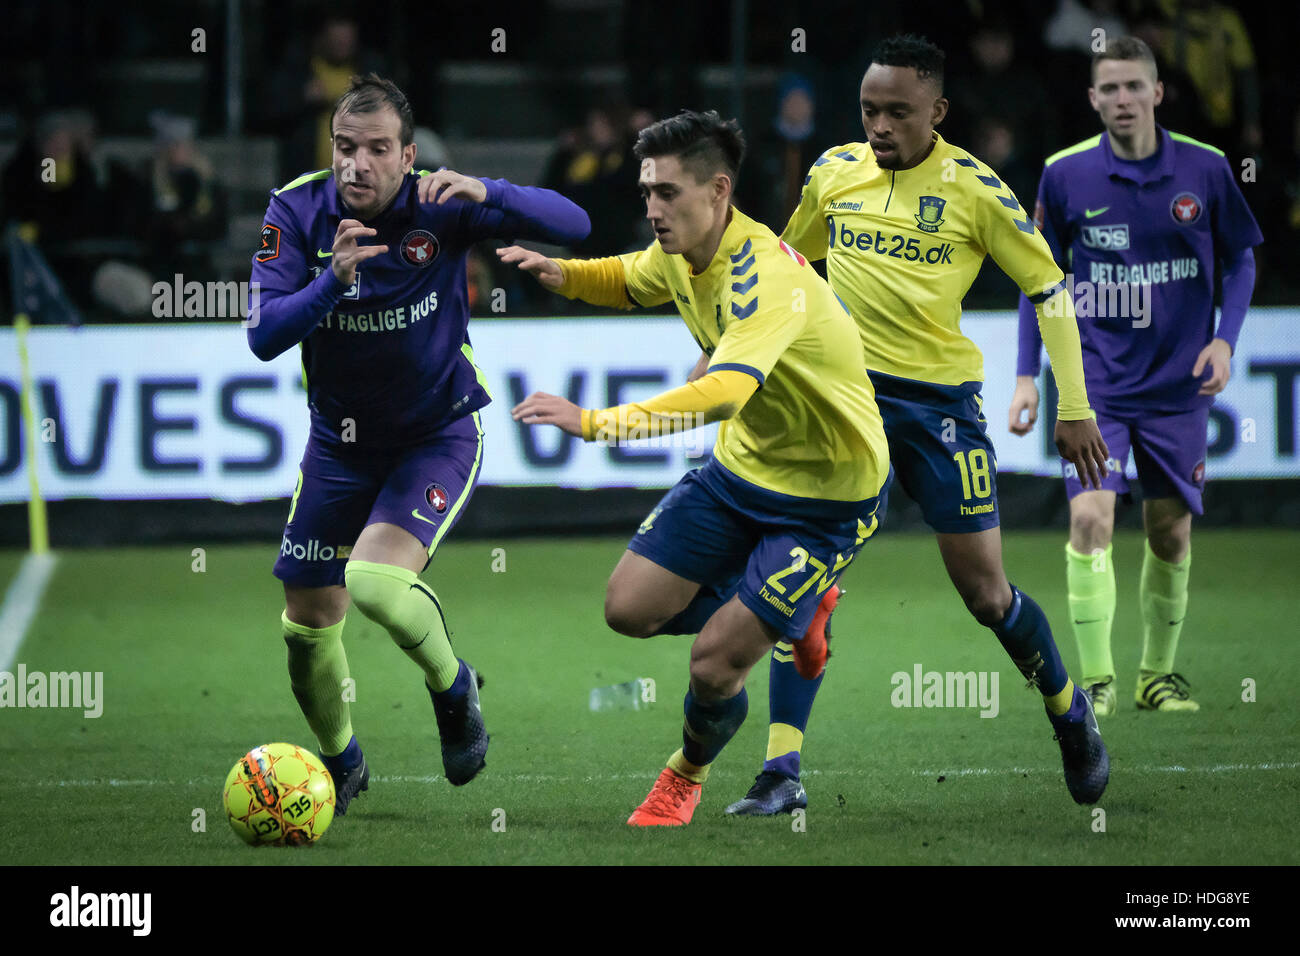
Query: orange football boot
x=810, y=654
x=670, y=803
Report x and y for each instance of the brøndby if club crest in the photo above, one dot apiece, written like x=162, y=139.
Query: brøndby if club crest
x=930, y=218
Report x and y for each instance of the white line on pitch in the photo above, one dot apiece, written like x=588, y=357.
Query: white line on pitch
x=21, y=603
x=544, y=777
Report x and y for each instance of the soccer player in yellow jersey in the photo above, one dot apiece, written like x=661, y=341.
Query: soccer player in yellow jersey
x=904, y=222
x=743, y=550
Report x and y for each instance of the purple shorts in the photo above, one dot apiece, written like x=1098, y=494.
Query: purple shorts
x=1168, y=450
x=342, y=489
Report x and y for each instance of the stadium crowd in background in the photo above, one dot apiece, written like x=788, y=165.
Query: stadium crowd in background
x=1227, y=75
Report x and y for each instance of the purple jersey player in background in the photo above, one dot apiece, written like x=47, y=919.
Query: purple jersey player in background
x=395, y=446
x=1141, y=219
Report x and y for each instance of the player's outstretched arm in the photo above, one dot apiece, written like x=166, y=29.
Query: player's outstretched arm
x=597, y=281
x=498, y=209
x=717, y=396
x=542, y=408
x=541, y=268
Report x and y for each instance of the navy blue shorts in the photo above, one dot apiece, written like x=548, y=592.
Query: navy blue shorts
x=715, y=529
x=940, y=450
x=1168, y=450
x=341, y=489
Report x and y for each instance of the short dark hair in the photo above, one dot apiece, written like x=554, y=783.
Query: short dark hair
x=370, y=94
x=1126, y=48
x=909, y=49
x=705, y=142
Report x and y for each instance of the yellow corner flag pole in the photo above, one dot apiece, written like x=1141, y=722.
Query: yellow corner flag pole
x=39, y=530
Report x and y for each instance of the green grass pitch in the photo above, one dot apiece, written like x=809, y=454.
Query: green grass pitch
x=194, y=675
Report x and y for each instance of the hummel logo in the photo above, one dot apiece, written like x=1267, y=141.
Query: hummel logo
x=322, y=254
x=1095, y=212
x=415, y=513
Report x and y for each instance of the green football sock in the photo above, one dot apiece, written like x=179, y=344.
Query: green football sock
x=1164, y=605
x=397, y=600
x=1091, y=582
x=317, y=668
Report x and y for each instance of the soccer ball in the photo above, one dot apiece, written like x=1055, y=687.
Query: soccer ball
x=279, y=794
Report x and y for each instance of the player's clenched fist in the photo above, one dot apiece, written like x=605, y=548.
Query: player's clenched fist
x=347, y=254
x=544, y=270
x=448, y=184
x=540, y=408
x=1080, y=443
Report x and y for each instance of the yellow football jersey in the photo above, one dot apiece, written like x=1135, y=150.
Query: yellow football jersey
x=812, y=429
x=903, y=247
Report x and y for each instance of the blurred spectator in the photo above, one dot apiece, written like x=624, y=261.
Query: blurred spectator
x=995, y=146
x=1208, y=43
x=52, y=185
x=302, y=95
x=430, y=151
x=1071, y=38
x=1070, y=28
x=1001, y=85
x=185, y=202
x=479, y=281
x=594, y=167
x=60, y=195
x=772, y=178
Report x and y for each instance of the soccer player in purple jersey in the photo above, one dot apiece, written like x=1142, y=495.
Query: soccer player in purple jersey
x=363, y=265
x=1143, y=219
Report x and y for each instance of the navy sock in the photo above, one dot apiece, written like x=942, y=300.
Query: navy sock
x=692, y=618
x=341, y=763
x=458, y=689
x=1027, y=637
x=710, y=725
x=790, y=700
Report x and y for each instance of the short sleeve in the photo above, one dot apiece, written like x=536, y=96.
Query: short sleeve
x=1233, y=223
x=1008, y=233
x=754, y=345
x=1050, y=218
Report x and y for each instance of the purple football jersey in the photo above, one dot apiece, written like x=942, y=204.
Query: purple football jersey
x=387, y=361
x=1140, y=243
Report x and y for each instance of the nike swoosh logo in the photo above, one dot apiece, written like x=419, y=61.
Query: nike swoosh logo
x=416, y=514
x=326, y=255
x=1095, y=212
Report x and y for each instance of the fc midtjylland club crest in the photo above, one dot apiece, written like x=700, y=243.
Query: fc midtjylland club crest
x=930, y=218
x=420, y=247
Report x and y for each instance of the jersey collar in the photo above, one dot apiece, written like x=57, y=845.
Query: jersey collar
x=1125, y=170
